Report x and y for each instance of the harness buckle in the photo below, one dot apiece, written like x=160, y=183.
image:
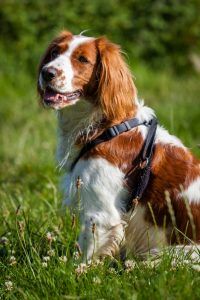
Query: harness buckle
x=135, y=201
x=144, y=163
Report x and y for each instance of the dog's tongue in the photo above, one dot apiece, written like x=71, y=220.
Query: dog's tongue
x=53, y=96
x=50, y=95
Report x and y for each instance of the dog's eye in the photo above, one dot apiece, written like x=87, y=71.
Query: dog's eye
x=83, y=59
x=54, y=53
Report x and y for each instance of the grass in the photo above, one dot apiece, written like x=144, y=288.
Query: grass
x=37, y=235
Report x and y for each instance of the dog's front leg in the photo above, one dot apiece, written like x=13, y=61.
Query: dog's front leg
x=101, y=200
x=98, y=240
x=113, y=241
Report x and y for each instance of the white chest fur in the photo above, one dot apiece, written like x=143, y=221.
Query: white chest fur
x=102, y=202
x=102, y=187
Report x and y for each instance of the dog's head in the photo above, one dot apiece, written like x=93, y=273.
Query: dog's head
x=76, y=66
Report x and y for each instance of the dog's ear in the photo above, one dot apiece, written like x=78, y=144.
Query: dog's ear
x=116, y=90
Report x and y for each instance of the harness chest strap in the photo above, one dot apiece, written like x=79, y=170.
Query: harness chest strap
x=145, y=154
x=144, y=172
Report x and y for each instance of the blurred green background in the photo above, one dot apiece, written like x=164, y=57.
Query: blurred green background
x=162, y=41
x=161, y=33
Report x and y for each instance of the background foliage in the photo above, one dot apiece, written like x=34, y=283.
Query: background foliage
x=158, y=32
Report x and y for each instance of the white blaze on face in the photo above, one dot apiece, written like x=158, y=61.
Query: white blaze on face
x=63, y=63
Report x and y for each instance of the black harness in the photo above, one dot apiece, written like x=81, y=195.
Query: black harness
x=145, y=156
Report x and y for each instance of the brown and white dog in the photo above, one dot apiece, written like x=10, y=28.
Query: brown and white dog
x=77, y=67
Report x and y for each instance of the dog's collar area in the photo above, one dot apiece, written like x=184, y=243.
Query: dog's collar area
x=145, y=156
x=123, y=127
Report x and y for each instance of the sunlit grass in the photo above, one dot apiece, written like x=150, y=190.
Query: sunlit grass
x=37, y=236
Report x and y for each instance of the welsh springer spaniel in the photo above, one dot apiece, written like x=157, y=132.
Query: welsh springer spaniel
x=74, y=68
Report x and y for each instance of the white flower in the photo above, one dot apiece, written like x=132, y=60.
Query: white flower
x=97, y=262
x=12, y=260
x=51, y=252
x=44, y=264
x=63, y=258
x=46, y=258
x=50, y=237
x=82, y=268
x=152, y=263
x=112, y=270
x=196, y=267
x=76, y=255
x=8, y=285
x=96, y=280
x=129, y=265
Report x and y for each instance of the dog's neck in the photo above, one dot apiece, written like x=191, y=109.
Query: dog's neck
x=81, y=123
x=76, y=124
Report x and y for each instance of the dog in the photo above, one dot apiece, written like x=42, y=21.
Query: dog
x=139, y=185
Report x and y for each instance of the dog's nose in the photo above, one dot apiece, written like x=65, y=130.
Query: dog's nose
x=48, y=74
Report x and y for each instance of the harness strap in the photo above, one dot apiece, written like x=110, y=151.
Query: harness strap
x=107, y=135
x=144, y=167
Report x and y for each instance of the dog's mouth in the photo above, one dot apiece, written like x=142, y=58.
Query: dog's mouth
x=57, y=100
